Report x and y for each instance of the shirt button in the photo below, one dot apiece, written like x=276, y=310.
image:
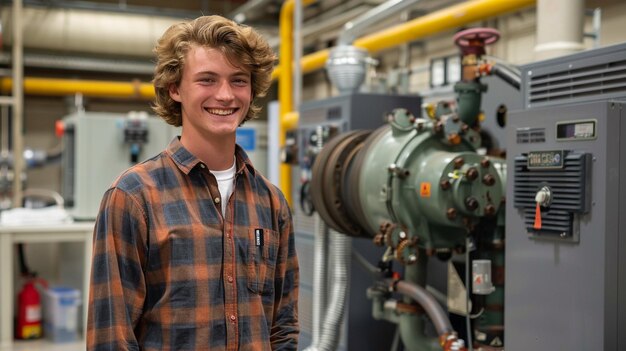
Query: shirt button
x=232, y=317
x=216, y=200
x=202, y=165
x=230, y=279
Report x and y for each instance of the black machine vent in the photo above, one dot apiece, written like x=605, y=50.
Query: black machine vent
x=590, y=81
x=570, y=193
x=583, y=83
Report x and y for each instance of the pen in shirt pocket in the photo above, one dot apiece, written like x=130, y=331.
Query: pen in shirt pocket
x=258, y=237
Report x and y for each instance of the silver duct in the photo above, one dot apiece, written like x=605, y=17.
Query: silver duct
x=71, y=31
x=346, y=67
x=341, y=253
x=347, y=64
x=320, y=277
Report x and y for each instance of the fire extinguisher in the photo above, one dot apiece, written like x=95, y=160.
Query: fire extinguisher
x=28, y=302
x=29, y=312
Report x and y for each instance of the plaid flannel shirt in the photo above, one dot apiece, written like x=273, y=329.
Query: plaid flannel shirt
x=170, y=272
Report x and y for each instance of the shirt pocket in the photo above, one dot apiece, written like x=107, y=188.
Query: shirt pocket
x=262, y=257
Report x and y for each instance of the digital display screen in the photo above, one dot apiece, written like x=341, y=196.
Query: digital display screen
x=577, y=130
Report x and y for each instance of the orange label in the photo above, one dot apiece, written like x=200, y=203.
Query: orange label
x=425, y=189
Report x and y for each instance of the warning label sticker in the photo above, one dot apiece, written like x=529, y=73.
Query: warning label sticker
x=496, y=342
x=425, y=189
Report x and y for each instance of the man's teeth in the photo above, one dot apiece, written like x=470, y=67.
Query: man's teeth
x=221, y=112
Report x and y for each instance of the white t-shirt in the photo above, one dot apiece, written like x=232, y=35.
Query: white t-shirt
x=225, y=184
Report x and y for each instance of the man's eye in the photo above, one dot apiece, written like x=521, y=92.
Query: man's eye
x=240, y=82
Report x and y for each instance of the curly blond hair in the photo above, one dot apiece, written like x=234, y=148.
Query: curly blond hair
x=243, y=46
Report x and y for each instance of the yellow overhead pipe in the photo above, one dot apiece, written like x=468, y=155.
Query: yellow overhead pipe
x=62, y=87
x=449, y=18
x=445, y=19
x=285, y=86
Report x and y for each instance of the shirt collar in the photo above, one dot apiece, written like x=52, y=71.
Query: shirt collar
x=186, y=161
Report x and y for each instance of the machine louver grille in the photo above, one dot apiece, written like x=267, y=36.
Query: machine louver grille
x=584, y=83
x=569, y=191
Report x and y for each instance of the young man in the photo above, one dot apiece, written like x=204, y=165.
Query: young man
x=194, y=249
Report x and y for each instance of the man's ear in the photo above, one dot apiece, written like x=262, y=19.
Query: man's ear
x=174, y=94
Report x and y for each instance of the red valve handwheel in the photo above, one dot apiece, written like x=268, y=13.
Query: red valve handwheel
x=473, y=41
x=476, y=36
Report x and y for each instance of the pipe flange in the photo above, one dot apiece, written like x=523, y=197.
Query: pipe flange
x=405, y=253
x=327, y=187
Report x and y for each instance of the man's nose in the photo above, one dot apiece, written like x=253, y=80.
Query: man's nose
x=225, y=92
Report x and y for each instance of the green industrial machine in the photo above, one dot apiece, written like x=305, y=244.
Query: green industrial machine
x=419, y=187
x=433, y=190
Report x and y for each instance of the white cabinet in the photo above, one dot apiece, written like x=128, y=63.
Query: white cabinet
x=59, y=233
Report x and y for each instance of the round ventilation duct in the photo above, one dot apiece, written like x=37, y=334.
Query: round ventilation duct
x=81, y=31
x=346, y=67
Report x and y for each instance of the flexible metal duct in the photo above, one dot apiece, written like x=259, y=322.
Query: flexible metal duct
x=320, y=277
x=341, y=252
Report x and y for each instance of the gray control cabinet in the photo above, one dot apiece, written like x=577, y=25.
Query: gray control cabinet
x=96, y=153
x=566, y=278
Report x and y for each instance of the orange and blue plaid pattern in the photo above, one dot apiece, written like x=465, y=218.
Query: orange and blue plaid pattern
x=170, y=272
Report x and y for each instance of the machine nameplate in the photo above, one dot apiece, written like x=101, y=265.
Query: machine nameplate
x=545, y=159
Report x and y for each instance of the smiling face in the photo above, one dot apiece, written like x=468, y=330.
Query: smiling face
x=214, y=95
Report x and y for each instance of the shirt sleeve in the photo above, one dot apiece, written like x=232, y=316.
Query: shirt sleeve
x=117, y=286
x=285, y=328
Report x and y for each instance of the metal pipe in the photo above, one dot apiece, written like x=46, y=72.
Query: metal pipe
x=353, y=28
x=439, y=21
x=506, y=75
x=428, y=302
x=74, y=63
x=18, y=103
x=62, y=87
x=148, y=11
x=297, y=55
x=285, y=85
x=433, y=23
x=285, y=97
x=564, y=38
x=412, y=325
x=241, y=13
x=71, y=31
